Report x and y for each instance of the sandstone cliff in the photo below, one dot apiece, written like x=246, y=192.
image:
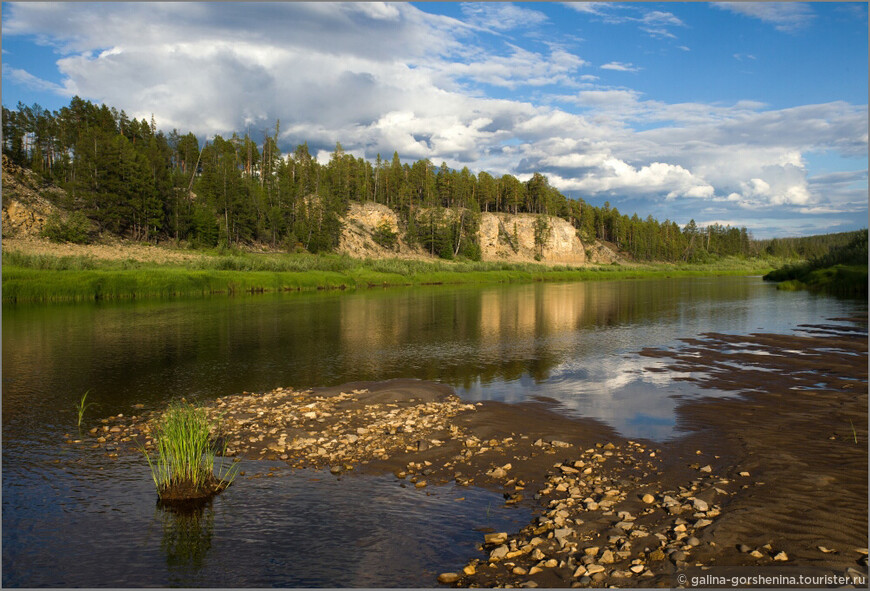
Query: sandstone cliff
x=502, y=236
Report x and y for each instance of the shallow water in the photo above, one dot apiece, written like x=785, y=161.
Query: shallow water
x=72, y=517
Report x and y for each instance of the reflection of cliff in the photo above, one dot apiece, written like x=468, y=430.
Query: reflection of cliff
x=137, y=352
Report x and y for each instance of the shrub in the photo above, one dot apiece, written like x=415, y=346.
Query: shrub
x=73, y=229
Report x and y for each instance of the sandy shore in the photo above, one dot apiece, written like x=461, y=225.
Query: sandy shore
x=769, y=477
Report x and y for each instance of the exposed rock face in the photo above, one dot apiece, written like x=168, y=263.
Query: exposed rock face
x=508, y=237
x=503, y=237
x=25, y=210
x=360, y=224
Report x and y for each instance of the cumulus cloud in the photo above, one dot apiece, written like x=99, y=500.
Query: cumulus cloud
x=385, y=77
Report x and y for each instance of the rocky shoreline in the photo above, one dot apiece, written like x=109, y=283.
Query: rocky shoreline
x=608, y=511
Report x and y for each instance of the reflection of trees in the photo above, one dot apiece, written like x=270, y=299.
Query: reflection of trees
x=186, y=540
x=136, y=352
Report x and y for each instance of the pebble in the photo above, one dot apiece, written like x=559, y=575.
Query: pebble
x=637, y=568
x=518, y=570
x=708, y=468
x=693, y=541
x=700, y=505
x=744, y=548
x=756, y=554
x=591, y=551
x=591, y=569
x=678, y=556
x=648, y=499
x=469, y=570
x=781, y=556
x=420, y=484
x=447, y=578
x=607, y=557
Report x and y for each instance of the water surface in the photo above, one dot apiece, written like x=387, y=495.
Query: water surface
x=72, y=517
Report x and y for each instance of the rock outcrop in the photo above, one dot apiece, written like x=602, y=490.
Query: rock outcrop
x=502, y=237
x=25, y=209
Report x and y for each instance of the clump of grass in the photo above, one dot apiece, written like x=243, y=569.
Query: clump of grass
x=183, y=466
x=81, y=407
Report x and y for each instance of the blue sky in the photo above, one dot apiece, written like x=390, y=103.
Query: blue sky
x=749, y=114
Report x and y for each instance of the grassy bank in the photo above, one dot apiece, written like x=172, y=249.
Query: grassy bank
x=46, y=278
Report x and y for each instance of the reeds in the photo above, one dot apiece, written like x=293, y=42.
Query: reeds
x=183, y=464
x=81, y=407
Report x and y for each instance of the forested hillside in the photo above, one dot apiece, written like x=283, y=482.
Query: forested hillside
x=131, y=179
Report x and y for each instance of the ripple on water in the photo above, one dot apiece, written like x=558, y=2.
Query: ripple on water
x=298, y=529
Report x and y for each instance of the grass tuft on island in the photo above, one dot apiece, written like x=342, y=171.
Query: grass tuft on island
x=183, y=466
x=47, y=278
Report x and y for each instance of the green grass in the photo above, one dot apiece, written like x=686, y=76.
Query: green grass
x=183, y=466
x=42, y=278
x=81, y=407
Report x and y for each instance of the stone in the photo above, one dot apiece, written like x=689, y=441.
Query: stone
x=708, y=468
x=648, y=499
x=756, y=554
x=518, y=570
x=693, y=541
x=678, y=556
x=495, y=539
x=700, y=505
x=744, y=474
x=469, y=570
x=448, y=578
x=636, y=569
x=594, y=568
x=581, y=570
x=563, y=532
x=335, y=470
x=535, y=570
x=607, y=557
x=498, y=554
x=781, y=556
x=743, y=548
x=497, y=473
x=702, y=523
x=420, y=483
x=592, y=551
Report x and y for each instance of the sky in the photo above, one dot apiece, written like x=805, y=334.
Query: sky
x=747, y=114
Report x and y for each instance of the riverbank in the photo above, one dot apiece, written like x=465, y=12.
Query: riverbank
x=37, y=271
x=775, y=475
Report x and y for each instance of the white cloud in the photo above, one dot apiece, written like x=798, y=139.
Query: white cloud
x=785, y=16
x=28, y=80
x=500, y=16
x=385, y=77
x=620, y=67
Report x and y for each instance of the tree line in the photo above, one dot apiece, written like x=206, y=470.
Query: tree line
x=131, y=179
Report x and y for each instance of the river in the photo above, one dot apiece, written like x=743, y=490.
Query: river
x=73, y=517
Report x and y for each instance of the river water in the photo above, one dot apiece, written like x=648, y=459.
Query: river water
x=73, y=517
